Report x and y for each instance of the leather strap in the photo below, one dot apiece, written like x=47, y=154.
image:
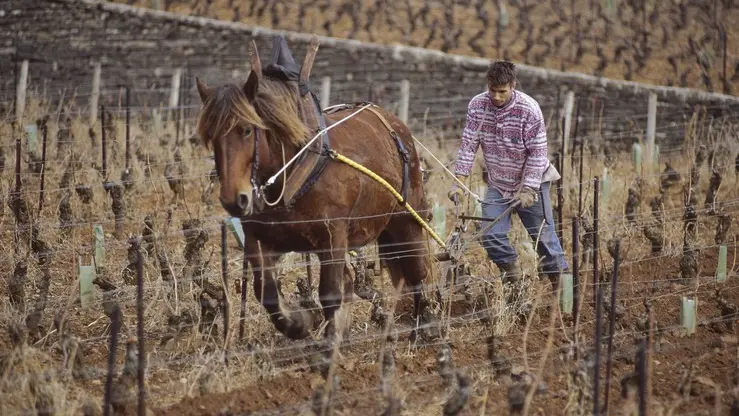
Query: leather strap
x=404, y=156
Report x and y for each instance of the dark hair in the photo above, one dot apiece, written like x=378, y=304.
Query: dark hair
x=501, y=73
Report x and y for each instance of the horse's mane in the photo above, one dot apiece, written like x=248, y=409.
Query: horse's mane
x=273, y=108
x=276, y=103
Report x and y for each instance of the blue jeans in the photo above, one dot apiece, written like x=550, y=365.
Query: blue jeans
x=496, y=241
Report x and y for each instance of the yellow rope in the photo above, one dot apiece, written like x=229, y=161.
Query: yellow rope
x=397, y=195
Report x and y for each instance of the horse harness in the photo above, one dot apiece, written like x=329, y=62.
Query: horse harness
x=321, y=156
x=404, y=155
x=311, y=163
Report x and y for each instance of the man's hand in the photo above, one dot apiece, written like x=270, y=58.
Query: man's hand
x=456, y=193
x=526, y=196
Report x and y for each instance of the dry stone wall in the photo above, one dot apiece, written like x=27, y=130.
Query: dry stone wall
x=140, y=48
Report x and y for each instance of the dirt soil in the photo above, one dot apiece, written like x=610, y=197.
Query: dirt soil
x=711, y=352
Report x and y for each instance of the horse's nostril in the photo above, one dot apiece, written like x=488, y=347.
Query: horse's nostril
x=243, y=200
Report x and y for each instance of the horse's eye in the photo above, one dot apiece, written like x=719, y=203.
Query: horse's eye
x=247, y=132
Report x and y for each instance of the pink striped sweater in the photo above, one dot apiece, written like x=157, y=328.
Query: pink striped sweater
x=508, y=135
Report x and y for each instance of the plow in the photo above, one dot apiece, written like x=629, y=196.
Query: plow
x=455, y=280
x=456, y=276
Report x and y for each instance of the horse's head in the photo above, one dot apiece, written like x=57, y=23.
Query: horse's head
x=249, y=127
x=230, y=124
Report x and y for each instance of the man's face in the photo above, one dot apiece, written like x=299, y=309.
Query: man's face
x=501, y=94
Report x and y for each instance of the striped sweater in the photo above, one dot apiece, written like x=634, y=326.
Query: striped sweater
x=508, y=135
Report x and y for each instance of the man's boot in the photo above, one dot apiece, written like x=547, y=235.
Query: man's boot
x=510, y=272
x=553, y=276
x=511, y=275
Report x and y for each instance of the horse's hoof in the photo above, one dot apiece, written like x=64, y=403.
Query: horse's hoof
x=331, y=333
x=427, y=332
x=296, y=326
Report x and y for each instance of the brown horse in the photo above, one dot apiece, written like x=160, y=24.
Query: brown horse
x=254, y=129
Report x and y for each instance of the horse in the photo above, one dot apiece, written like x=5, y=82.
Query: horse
x=254, y=129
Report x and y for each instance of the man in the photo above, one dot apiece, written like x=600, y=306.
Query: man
x=509, y=126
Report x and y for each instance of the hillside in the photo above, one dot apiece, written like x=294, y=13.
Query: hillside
x=688, y=43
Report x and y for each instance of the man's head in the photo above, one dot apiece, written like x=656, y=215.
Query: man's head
x=501, y=77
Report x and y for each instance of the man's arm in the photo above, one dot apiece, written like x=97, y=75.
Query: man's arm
x=535, y=140
x=470, y=141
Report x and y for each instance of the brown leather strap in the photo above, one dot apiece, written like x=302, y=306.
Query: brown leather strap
x=377, y=113
x=405, y=157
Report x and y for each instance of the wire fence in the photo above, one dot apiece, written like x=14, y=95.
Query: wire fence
x=171, y=234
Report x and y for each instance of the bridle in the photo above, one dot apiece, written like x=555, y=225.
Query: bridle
x=259, y=198
x=256, y=194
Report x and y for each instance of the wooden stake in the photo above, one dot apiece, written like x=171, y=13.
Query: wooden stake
x=224, y=275
x=244, y=276
x=651, y=132
x=579, y=180
x=95, y=96
x=140, y=332
x=574, y=133
x=598, y=322
x=569, y=104
x=20, y=93
x=174, y=94
x=308, y=269
x=128, y=128
x=115, y=325
x=596, y=193
x=44, y=131
x=104, y=144
x=576, y=271
x=18, y=167
x=560, y=198
x=611, y=325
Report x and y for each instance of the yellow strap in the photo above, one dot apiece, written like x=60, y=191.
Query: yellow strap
x=397, y=195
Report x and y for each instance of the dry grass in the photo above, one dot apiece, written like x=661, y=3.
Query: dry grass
x=185, y=364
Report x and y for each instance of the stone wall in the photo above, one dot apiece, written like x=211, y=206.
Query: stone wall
x=63, y=39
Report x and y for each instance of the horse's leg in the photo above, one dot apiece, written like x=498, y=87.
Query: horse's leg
x=333, y=286
x=406, y=252
x=292, y=323
x=348, y=283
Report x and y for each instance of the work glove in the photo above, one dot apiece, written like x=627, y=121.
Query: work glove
x=456, y=193
x=526, y=196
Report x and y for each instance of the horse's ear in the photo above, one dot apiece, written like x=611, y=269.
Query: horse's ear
x=254, y=61
x=203, y=89
x=251, y=85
